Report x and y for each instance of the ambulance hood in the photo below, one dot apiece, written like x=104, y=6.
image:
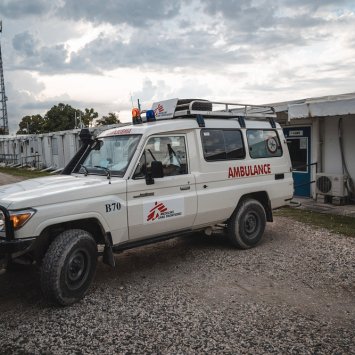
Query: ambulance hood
x=57, y=189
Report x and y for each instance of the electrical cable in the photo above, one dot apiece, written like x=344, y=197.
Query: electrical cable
x=349, y=182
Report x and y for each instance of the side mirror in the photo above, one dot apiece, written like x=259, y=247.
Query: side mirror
x=157, y=169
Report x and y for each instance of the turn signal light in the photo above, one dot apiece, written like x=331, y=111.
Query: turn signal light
x=20, y=219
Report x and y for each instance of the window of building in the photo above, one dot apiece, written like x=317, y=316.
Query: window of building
x=55, y=146
x=221, y=144
x=31, y=147
x=298, y=152
x=263, y=143
x=171, y=151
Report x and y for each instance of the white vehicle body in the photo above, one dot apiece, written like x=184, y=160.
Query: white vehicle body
x=66, y=198
x=122, y=208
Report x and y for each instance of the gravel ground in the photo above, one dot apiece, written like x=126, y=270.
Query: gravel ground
x=10, y=179
x=293, y=294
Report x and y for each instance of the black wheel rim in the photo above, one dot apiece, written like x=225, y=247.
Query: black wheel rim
x=251, y=225
x=77, y=269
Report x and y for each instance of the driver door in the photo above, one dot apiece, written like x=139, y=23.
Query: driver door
x=168, y=205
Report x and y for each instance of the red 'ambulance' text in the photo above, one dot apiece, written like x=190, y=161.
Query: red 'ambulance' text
x=242, y=171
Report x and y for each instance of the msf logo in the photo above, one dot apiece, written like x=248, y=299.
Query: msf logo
x=155, y=212
x=159, y=109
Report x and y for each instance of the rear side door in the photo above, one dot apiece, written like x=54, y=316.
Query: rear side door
x=170, y=204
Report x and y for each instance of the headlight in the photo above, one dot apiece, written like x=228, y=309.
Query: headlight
x=20, y=217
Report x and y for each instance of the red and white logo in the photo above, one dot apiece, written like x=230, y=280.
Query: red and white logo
x=167, y=208
x=159, y=109
x=155, y=211
x=271, y=145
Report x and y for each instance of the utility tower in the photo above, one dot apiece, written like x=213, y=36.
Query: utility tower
x=4, y=125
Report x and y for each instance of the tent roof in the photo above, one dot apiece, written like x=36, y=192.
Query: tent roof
x=337, y=105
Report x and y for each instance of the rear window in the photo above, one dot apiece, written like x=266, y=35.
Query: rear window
x=263, y=143
x=221, y=144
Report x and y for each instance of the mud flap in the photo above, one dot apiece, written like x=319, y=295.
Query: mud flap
x=269, y=216
x=108, y=257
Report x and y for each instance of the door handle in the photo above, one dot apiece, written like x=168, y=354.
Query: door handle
x=183, y=188
x=145, y=195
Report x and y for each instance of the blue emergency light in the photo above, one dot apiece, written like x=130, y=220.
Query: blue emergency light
x=150, y=116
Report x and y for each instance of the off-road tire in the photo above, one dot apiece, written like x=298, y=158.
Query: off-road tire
x=197, y=106
x=247, y=224
x=69, y=267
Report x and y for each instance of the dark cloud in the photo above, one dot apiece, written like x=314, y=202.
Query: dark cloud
x=146, y=49
x=316, y=4
x=26, y=43
x=242, y=15
x=150, y=49
x=16, y=9
x=136, y=13
x=31, y=54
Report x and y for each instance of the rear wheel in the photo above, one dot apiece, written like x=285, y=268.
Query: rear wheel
x=247, y=224
x=69, y=267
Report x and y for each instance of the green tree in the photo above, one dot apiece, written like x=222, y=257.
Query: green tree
x=60, y=118
x=31, y=125
x=88, y=117
x=112, y=118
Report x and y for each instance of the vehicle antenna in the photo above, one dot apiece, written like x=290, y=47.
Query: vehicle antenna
x=131, y=99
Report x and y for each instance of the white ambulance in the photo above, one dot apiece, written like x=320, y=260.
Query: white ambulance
x=184, y=166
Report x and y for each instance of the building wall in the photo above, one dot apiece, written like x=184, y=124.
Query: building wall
x=325, y=148
x=331, y=149
x=56, y=155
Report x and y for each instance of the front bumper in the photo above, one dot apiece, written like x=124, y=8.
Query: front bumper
x=9, y=245
x=14, y=246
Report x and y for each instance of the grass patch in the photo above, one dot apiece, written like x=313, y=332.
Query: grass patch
x=334, y=223
x=29, y=174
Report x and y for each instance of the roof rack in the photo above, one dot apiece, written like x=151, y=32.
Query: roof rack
x=240, y=111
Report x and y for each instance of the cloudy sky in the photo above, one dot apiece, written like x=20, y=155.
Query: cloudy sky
x=94, y=53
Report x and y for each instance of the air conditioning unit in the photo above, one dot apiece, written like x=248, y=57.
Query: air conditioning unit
x=331, y=184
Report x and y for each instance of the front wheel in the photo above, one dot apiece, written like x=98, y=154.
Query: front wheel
x=69, y=267
x=247, y=224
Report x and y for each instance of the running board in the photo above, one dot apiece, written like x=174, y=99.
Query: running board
x=130, y=245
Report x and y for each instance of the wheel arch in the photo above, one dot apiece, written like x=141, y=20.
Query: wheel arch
x=52, y=230
x=263, y=198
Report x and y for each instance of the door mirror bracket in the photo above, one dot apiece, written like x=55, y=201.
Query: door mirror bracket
x=149, y=180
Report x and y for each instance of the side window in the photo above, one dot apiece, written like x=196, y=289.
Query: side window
x=263, y=143
x=221, y=144
x=171, y=151
x=55, y=146
x=234, y=144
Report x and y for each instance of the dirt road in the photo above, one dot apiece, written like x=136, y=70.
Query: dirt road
x=10, y=179
x=293, y=294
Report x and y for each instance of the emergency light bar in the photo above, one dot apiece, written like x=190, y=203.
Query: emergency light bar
x=137, y=118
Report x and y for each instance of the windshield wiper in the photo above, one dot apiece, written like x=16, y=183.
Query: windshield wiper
x=106, y=170
x=85, y=169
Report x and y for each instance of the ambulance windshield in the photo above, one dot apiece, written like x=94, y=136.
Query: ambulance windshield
x=109, y=153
